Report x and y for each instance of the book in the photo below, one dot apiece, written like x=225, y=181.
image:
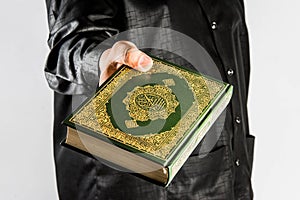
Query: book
x=148, y=123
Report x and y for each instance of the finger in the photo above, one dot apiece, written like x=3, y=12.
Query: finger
x=105, y=60
x=138, y=60
x=127, y=53
x=115, y=56
x=123, y=52
x=107, y=73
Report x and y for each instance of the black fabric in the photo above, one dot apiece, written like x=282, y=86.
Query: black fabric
x=77, y=27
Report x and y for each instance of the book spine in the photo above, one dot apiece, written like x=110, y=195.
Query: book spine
x=199, y=134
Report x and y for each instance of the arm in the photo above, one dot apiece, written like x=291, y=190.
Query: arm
x=77, y=27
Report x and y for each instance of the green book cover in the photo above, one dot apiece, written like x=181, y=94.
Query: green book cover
x=152, y=113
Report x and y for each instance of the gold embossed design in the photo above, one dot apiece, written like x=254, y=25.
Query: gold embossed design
x=94, y=116
x=131, y=124
x=150, y=102
x=169, y=82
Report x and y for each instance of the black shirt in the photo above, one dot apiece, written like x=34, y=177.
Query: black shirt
x=77, y=27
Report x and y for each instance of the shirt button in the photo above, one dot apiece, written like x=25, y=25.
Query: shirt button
x=230, y=72
x=237, y=162
x=238, y=120
x=214, y=25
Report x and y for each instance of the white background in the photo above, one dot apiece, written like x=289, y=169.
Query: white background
x=27, y=169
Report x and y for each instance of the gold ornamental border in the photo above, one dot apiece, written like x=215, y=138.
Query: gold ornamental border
x=94, y=116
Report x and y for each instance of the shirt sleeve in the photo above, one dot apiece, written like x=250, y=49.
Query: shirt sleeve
x=76, y=29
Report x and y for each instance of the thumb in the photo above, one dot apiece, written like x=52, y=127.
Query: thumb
x=131, y=56
x=138, y=60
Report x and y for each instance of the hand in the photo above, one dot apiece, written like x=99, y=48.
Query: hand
x=123, y=52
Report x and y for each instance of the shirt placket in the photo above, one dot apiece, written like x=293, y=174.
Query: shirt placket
x=222, y=42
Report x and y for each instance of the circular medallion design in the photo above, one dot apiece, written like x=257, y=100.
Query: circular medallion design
x=150, y=102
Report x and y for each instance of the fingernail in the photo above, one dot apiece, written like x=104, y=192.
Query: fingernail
x=145, y=63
